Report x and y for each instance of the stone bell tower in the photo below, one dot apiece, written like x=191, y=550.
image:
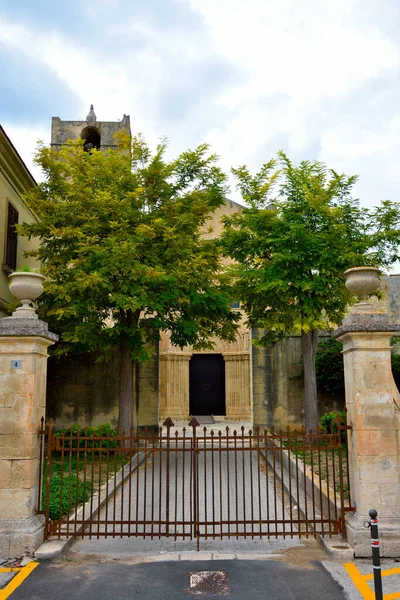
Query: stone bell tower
x=97, y=134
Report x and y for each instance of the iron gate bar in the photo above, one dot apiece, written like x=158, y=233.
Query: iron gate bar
x=252, y=484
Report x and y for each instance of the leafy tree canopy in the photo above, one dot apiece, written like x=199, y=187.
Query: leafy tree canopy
x=121, y=240
x=300, y=230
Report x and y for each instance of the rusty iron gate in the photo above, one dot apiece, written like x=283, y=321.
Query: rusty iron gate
x=193, y=483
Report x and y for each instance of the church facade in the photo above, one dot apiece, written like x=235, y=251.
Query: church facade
x=215, y=382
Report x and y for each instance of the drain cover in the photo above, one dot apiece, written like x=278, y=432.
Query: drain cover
x=214, y=583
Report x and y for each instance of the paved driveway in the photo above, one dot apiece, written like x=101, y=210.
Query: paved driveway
x=234, y=494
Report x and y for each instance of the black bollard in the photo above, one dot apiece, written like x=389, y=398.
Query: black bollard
x=376, y=558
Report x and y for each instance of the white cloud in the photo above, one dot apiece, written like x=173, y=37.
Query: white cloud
x=302, y=61
x=25, y=141
x=314, y=77
x=115, y=87
x=307, y=49
x=74, y=64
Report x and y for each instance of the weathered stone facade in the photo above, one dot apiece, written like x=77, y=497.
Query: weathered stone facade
x=61, y=131
x=175, y=398
x=373, y=412
x=277, y=385
x=85, y=391
x=23, y=363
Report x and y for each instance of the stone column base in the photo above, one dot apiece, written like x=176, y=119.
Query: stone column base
x=21, y=537
x=359, y=537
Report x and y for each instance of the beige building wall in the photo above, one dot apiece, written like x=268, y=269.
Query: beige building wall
x=15, y=181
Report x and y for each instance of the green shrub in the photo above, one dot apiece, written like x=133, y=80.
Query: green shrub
x=69, y=464
x=96, y=432
x=327, y=421
x=72, y=487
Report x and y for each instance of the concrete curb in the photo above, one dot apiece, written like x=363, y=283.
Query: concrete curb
x=195, y=556
x=337, y=548
x=53, y=549
x=190, y=556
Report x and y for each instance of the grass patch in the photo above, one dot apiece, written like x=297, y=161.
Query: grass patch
x=325, y=464
x=77, y=481
x=82, y=468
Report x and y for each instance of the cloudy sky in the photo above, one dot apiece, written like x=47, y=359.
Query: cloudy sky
x=317, y=78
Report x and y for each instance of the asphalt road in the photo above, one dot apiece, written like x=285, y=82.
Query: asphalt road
x=236, y=579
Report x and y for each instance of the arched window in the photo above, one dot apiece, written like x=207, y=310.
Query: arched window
x=92, y=138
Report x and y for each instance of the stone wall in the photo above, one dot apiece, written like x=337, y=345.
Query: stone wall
x=148, y=391
x=85, y=391
x=278, y=385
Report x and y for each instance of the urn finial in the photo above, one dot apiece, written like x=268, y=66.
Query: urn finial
x=363, y=282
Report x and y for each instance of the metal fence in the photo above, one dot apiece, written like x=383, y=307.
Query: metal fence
x=193, y=483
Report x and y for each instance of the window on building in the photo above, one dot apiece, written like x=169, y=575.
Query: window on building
x=11, y=239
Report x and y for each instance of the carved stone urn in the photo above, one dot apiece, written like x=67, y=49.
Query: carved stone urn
x=26, y=287
x=362, y=282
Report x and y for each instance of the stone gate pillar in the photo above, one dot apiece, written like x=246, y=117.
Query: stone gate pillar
x=23, y=370
x=373, y=406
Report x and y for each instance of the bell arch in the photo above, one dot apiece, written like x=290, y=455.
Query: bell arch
x=91, y=136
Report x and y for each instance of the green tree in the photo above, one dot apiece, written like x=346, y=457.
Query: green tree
x=121, y=241
x=329, y=367
x=300, y=230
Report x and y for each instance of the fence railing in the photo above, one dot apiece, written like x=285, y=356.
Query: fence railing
x=193, y=483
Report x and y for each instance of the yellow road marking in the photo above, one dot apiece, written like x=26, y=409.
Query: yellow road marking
x=384, y=573
x=17, y=580
x=9, y=569
x=360, y=581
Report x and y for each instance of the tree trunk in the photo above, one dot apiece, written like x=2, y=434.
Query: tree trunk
x=127, y=383
x=126, y=391
x=309, y=343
